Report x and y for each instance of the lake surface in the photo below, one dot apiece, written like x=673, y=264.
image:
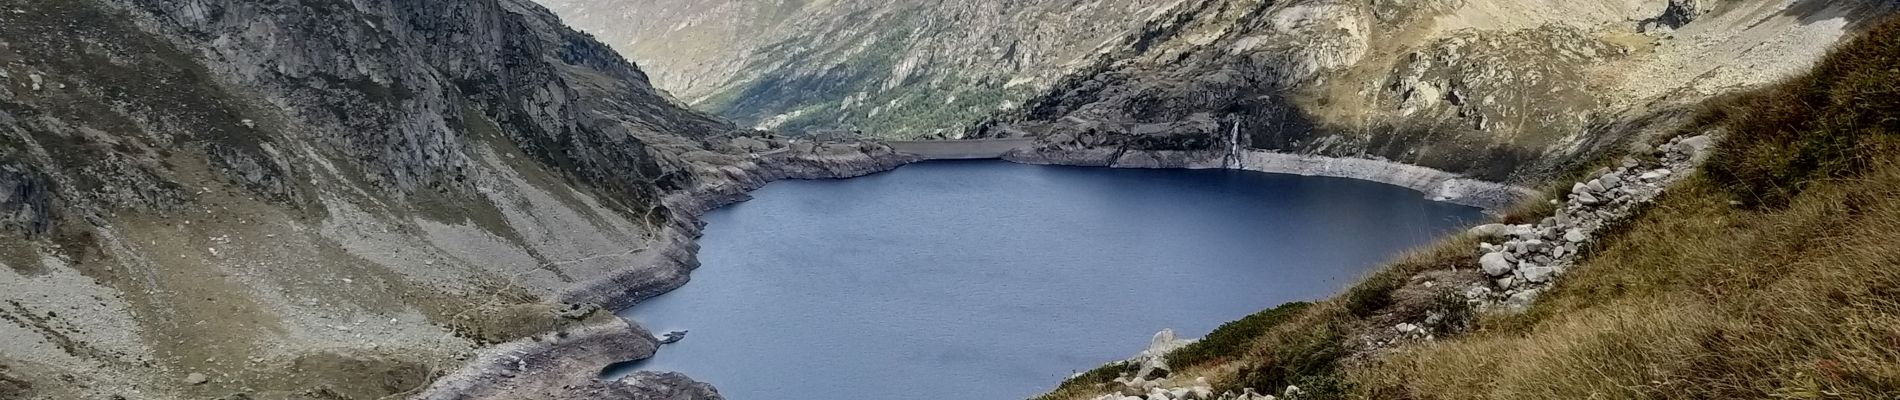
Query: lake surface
x=991, y=280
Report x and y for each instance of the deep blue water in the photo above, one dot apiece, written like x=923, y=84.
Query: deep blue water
x=990, y=280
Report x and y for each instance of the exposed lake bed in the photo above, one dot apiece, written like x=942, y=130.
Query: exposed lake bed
x=917, y=282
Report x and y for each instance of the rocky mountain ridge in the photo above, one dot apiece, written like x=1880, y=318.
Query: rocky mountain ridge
x=855, y=67
x=1502, y=91
x=329, y=199
x=1514, y=91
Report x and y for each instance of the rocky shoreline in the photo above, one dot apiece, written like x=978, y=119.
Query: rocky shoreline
x=1435, y=184
x=566, y=365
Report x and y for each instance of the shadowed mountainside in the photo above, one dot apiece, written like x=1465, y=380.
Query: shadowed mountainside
x=315, y=198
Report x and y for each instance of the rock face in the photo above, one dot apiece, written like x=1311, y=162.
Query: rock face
x=883, y=68
x=210, y=198
x=1511, y=91
x=1498, y=91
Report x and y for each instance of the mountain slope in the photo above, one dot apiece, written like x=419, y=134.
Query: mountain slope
x=879, y=68
x=1505, y=91
x=1764, y=273
x=1514, y=91
x=316, y=198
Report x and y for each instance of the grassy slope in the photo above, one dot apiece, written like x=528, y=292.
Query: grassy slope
x=1774, y=274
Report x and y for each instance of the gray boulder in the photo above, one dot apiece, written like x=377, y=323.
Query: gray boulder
x=1575, y=236
x=1495, y=264
x=1538, y=274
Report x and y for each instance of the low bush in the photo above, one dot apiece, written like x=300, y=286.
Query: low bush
x=1231, y=338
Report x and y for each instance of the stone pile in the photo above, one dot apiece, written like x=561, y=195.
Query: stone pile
x=1531, y=257
x=1154, y=380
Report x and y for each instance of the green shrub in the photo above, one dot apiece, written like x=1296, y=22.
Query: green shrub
x=1375, y=292
x=1306, y=355
x=1232, y=338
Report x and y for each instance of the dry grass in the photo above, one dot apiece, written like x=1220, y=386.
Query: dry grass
x=1835, y=122
x=1793, y=292
x=1698, y=300
x=1776, y=274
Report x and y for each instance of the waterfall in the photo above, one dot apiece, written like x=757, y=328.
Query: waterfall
x=1233, y=160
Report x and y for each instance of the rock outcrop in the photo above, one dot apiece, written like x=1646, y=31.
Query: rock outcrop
x=342, y=199
x=1514, y=92
x=1497, y=91
x=872, y=67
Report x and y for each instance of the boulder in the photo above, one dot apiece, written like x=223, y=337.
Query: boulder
x=1697, y=146
x=1532, y=246
x=1495, y=264
x=1575, y=236
x=1490, y=230
x=1611, y=182
x=1594, y=185
x=1537, y=274
x=1588, y=199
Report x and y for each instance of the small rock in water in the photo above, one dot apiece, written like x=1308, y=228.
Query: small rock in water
x=673, y=337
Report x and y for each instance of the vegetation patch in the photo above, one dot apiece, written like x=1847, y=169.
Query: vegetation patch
x=1834, y=123
x=1375, y=293
x=1306, y=352
x=1232, y=337
x=1091, y=382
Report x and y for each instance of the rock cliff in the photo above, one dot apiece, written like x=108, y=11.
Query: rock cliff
x=1505, y=91
x=344, y=199
x=870, y=67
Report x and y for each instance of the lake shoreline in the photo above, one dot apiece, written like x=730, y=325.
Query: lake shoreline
x=1435, y=184
x=567, y=365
